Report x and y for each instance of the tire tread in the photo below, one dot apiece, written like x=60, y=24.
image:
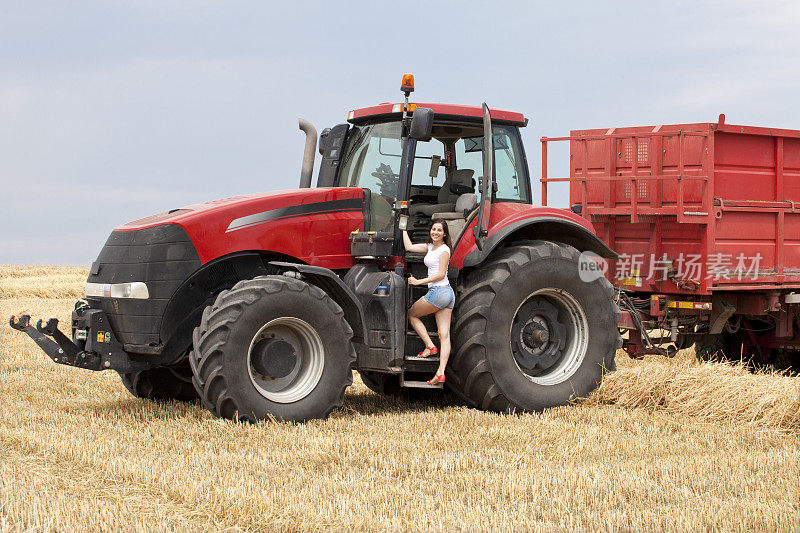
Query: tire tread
x=219, y=318
x=470, y=374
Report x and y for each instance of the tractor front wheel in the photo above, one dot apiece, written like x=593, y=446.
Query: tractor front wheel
x=273, y=347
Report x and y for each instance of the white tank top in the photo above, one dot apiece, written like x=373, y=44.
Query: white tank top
x=432, y=262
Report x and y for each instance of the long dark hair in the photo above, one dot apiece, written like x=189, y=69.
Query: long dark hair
x=446, y=238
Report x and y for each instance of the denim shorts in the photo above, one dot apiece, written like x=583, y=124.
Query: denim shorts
x=441, y=296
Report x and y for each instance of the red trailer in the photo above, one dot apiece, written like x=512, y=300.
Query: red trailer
x=706, y=221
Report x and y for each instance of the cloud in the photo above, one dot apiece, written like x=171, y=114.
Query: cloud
x=113, y=111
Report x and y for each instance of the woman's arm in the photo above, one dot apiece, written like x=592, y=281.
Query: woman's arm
x=411, y=247
x=444, y=260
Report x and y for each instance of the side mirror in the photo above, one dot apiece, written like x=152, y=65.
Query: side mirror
x=436, y=162
x=331, y=142
x=402, y=223
x=324, y=140
x=421, y=124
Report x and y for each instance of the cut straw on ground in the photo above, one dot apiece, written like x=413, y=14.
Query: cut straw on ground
x=713, y=392
x=662, y=445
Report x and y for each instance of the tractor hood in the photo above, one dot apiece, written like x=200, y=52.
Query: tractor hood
x=274, y=221
x=235, y=206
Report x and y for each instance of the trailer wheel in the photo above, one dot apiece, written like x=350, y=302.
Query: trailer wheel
x=734, y=348
x=272, y=347
x=529, y=333
x=787, y=361
x=162, y=383
x=719, y=347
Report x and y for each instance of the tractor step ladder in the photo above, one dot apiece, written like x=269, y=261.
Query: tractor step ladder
x=414, y=364
x=417, y=368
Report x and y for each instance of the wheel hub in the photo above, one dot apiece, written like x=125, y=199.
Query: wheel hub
x=274, y=358
x=537, y=336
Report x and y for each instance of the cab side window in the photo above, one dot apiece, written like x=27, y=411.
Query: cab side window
x=508, y=163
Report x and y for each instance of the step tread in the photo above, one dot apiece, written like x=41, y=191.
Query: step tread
x=415, y=359
x=421, y=385
x=413, y=333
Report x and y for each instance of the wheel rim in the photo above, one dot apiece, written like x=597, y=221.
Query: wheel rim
x=285, y=360
x=549, y=336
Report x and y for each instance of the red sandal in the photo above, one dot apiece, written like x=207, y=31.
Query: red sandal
x=436, y=380
x=431, y=351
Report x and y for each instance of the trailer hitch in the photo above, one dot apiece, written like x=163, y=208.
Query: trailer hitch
x=644, y=344
x=55, y=344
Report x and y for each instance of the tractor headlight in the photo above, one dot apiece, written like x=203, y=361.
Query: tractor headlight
x=134, y=289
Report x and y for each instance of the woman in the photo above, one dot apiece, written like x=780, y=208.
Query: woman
x=440, y=297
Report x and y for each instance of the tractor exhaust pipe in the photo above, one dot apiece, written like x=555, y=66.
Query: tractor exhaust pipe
x=308, y=153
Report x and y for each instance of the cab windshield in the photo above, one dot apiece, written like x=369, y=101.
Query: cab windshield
x=372, y=161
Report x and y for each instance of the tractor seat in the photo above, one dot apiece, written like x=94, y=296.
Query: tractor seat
x=457, y=219
x=446, y=201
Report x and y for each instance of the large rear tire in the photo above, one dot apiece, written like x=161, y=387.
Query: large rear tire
x=162, y=383
x=529, y=334
x=273, y=347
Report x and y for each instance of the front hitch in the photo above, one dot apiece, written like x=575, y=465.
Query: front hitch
x=58, y=348
x=102, y=351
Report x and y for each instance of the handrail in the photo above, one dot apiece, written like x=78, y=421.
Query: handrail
x=698, y=177
x=610, y=204
x=603, y=136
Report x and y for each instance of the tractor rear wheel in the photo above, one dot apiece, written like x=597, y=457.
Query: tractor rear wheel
x=529, y=332
x=273, y=347
x=162, y=383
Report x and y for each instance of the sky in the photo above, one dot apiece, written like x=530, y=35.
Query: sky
x=112, y=111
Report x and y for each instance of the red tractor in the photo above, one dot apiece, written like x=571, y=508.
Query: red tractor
x=262, y=305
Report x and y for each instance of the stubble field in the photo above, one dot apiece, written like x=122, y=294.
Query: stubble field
x=663, y=445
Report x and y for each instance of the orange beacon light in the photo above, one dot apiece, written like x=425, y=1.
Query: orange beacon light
x=407, y=86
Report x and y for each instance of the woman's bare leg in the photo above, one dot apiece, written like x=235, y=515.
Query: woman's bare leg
x=421, y=308
x=443, y=317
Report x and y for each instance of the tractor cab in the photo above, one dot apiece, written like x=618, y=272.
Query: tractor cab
x=439, y=174
x=416, y=163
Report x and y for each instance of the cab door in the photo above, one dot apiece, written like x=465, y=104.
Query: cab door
x=487, y=182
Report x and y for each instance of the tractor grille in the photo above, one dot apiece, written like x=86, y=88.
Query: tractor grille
x=161, y=256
